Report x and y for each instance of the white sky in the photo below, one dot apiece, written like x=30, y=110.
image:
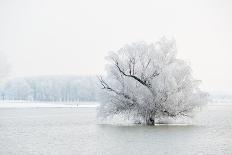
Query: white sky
x=73, y=37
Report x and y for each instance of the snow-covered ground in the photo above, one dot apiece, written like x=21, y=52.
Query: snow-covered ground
x=30, y=104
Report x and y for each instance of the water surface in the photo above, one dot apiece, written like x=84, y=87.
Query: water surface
x=76, y=131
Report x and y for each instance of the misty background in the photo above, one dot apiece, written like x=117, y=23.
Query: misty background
x=46, y=39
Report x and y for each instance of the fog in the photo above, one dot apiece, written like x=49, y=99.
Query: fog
x=51, y=37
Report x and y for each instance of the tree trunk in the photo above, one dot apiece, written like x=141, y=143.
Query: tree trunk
x=150, y=121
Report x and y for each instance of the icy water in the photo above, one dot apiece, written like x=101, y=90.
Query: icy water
x=76, y=131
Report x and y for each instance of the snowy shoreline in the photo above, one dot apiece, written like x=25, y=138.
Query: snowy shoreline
x=40, y=104
x=26, y=104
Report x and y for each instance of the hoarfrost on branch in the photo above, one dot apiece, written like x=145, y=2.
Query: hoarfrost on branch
x=148, y=82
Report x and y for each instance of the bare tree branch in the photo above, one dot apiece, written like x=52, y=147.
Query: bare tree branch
x=107, y=87
x=132, y=76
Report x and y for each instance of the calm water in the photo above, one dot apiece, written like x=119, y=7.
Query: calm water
x=76, y=131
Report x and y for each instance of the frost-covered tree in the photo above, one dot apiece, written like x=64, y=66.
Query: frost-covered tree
x=50, y=88
x=148, y=82
x=4, y=67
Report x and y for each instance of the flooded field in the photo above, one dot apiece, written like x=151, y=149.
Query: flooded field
x=67, y=130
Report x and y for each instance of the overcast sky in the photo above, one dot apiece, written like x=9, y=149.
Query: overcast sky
x=73, y=37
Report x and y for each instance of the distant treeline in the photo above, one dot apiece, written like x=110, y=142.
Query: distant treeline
x=220, y=98
x=50, y=88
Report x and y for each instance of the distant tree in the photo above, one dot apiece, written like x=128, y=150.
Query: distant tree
x=148, y=82
x=50, y=88
x=17, y=90
x=4, y=68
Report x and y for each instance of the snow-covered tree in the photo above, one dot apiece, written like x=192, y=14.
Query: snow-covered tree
x=50, y=88
x=148, y=82
x=4, y=67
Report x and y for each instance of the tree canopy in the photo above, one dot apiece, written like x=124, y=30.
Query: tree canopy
x=148, y=82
